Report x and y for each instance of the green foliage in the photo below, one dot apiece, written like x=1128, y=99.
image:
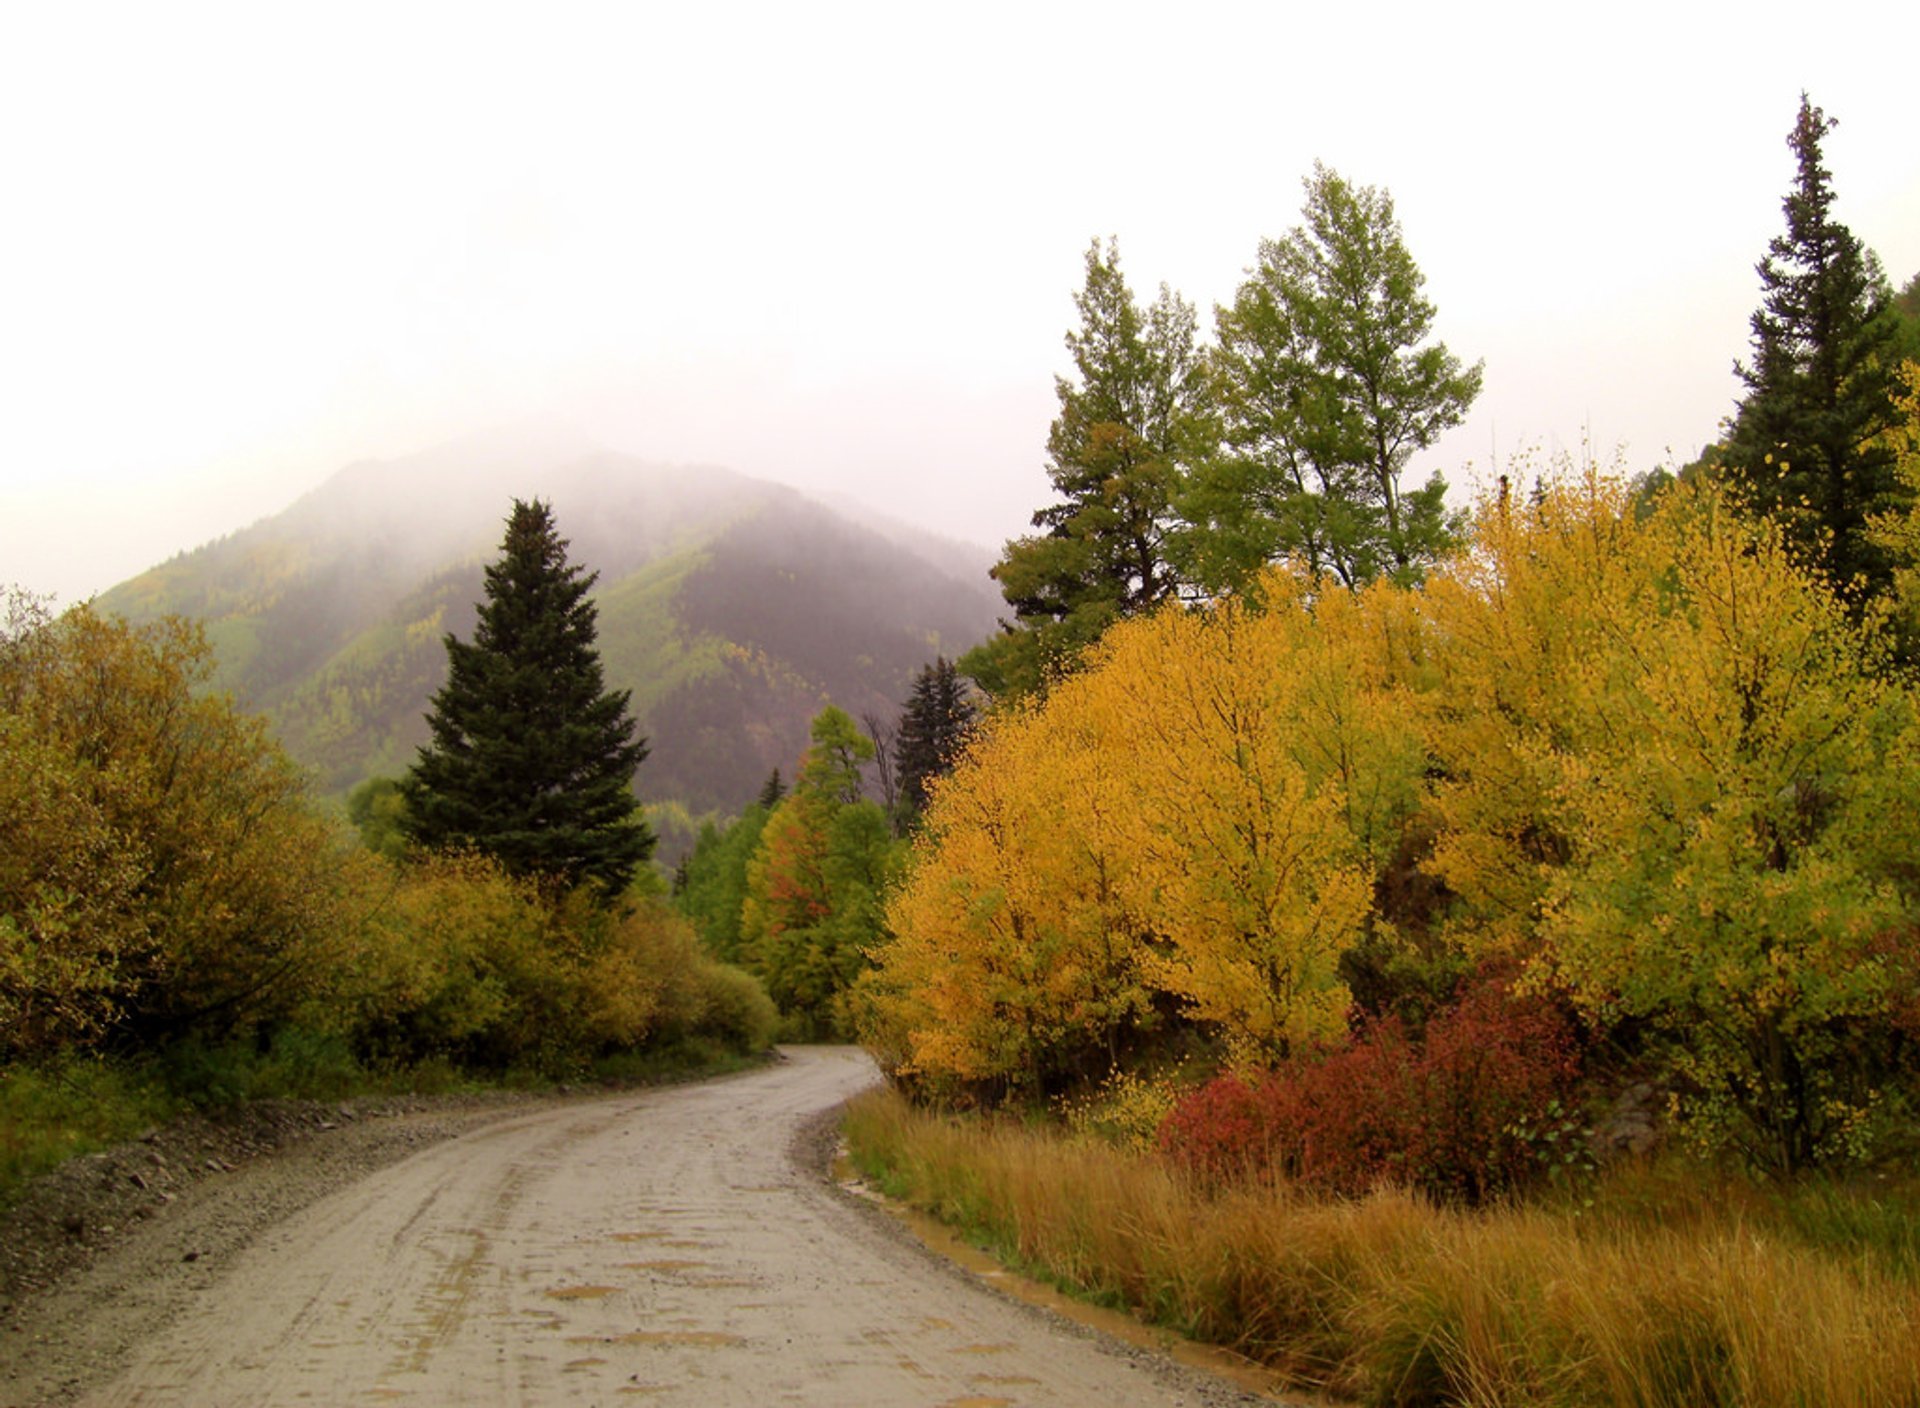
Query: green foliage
x=1116, y=449
x=814, y=884
x=295, y=1063
x=713, y=883
x=1805, y=447
x=377, y=809
x=1326, y=386
x=532, y=759
x=62, y=1106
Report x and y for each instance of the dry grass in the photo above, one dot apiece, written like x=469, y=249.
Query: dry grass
x=1393, y=1301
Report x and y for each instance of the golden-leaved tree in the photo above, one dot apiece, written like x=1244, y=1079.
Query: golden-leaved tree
x=1184, y=830
x=164, y=868
x=1676, y=776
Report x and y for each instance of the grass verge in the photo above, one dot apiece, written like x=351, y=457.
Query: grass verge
x=57, y=1110
x=1667, y=1290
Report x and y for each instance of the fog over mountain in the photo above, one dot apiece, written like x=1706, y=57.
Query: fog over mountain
x=732, y=608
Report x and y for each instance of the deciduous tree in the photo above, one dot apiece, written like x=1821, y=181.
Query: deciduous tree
x=1327, y=384
x=812, y=901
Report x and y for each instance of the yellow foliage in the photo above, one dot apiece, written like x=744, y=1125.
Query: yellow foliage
x=1675, y=772
x=226, y=897
x=464, y=960
x=1189, y=822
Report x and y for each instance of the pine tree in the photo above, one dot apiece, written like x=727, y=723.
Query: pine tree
x=1805, y=446
x=933, y=729
x=1126, y=427
x=532, y=758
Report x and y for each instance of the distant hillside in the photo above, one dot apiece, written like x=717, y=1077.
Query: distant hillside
x=732, y=608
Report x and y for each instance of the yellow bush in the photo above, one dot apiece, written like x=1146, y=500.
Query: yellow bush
x=182, y=881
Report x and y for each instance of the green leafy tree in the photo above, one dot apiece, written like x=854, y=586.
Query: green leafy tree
x=1128, y=422
x=377, y=809
x=1326, y=383
x=714, y=884
x=933, y=730
x=812, y=906
x=1806, y=446
x=532, y=758
x=1906, y=311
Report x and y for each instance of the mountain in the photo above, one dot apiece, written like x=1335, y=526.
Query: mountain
x=732, y=608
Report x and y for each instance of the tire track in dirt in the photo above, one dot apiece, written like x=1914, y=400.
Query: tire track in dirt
x=664, y=1246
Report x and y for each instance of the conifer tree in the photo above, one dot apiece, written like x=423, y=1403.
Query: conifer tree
x=933, y=729
x=532, y=758
x=1805, y=447
x=1126, y=426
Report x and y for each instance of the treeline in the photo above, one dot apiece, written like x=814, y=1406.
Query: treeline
x=1183, y=466
x=165, y=879
x=794, y=888
x=1436, y=832
x=1632, y=748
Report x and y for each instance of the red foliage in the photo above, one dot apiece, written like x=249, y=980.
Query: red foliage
x=1460, y=1115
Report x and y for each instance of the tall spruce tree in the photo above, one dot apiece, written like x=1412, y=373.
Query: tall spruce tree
x=532, y=757
x=1805, y=447
x=933, y=729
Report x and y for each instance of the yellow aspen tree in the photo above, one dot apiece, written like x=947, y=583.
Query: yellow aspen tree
x=1009, y=960
x=1239, y=862
x=1674, y=775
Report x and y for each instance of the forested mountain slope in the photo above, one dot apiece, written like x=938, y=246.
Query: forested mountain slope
x=731, y=607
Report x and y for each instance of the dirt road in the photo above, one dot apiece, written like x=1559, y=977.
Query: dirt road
x=665, y=1247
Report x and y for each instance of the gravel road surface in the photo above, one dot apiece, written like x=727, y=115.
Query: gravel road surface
x=674, y=1246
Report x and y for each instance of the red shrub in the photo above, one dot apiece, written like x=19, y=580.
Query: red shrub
x=1463, y=1114
x=1220, y=1133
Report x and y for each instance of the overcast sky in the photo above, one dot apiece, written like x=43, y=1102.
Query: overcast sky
x=837, y=244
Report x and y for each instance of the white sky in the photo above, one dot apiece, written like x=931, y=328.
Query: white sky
x=837, y=244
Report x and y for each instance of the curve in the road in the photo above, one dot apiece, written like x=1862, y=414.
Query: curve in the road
x=658, y=1247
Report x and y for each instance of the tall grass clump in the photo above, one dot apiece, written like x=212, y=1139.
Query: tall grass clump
x=1395, y=1300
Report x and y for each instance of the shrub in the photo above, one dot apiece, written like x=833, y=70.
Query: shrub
x=163, y=873
x=1473, y=1110
x=737, y=1010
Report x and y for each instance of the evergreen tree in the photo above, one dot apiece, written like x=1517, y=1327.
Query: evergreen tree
x=532, y=758
x=1126, y=427
x=933, y=729
x=1805, y=446
x=771, y=791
